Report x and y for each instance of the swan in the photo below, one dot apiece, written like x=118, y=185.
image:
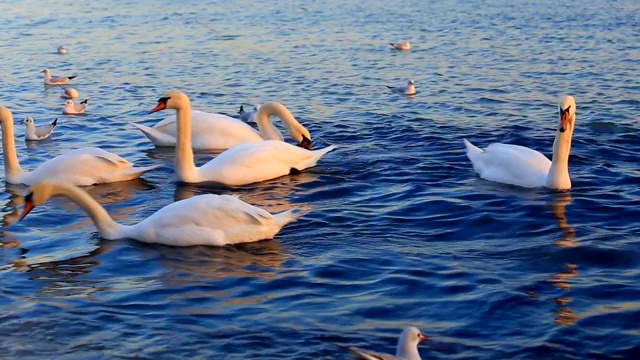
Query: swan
x=54, y=81
x=84, y=166
x=242, y=164
x=213, y=220
x=221, y=132
x=521, y=166
x=407, y=348
x=38, y=132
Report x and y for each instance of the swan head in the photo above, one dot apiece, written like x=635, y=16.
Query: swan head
x=28, y=120
x=5, y=115
x=567, y=109
x=37, y=195
x=409, y=340
x=171, y=100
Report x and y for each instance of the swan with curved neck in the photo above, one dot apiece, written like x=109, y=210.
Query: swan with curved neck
x=521, y=166
x=407, y=348
x=221, y=132
x=213, y=220
x=242, y=164
x=84, y=166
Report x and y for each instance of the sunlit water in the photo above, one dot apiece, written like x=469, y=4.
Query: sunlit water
x=399, y=229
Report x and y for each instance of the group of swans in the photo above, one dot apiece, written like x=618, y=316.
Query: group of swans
x=201, y=220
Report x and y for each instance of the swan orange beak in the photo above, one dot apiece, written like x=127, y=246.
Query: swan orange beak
x=305, y=143
x=160, y=106
x=28, y=206
x=565, y=116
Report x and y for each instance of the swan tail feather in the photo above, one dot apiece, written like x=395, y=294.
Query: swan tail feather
x=283, y=218
x=314, y=158
x=472, y=149
x=157, y=137
x=123, y=174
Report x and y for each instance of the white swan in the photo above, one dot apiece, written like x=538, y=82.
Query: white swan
x=407, y=348
x=214, y=220
x=242, y=164
x=521, y=166
x=54, y=81
x=38, y=132
x=220, y=132
x=84, y=166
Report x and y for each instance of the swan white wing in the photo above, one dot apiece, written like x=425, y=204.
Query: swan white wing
x=259, y=161
x=81, y=167
x=512, y=164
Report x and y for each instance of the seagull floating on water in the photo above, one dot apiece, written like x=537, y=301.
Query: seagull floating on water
x=38, y=132
x=410, y=89
x=70, y=108
x=248, y=116
x=403, y=46
x=407, y=348
x=53, y=81
x=62, y=50
x=69, y=92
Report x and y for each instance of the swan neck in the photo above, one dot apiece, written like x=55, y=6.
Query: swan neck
x=558, y=177
x=107, y=228
x=185, y=165
x=12, y=167
x=268, y=131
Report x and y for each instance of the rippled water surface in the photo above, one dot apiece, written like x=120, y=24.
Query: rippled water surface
x=399, y=230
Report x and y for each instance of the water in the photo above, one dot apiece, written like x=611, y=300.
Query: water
x=400, y=231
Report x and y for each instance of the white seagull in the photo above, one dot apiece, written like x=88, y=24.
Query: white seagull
x=402, y=46
x=70, y=108
x=407, y=348
x=53, y=81
x=248, y=116
x=410, y=89
x=62, y=50
x=38, y=132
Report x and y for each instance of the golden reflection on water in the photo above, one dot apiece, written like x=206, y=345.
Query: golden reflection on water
x=562, y=280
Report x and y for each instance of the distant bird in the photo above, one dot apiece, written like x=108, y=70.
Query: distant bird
x=53, y=81
x=70, y=108
x=69, y=92
x=38, y=132
x=62, y=50
x=248, y=116
x=403, y=46
x=410, y=89
x=407, y=348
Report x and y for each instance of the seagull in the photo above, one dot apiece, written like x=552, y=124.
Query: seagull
x=403, y=46
x=38, y=132
x=407, y=348
x=248, y=116
x=52, y=81
x=62, y=50
x=69, y=92
x=70, y=108
x=410, y=89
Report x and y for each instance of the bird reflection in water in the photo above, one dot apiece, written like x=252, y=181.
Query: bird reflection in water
x=561, y=280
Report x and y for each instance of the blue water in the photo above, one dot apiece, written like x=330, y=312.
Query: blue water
x=400, y=231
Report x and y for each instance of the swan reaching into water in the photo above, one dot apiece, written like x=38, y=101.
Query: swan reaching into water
x=242, y=164
x=407, y=348
x=521, y=166
x=221, y=132
x=213, y=220
x=84, y=166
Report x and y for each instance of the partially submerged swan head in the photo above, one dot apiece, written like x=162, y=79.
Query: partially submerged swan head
x=172, y=100
x=567, y=108
x=37, y=195
x=409, y=340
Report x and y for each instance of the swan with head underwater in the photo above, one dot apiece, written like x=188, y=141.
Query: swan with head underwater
x=521, y=166
x=211, y=220
x=220, y=132
x=84, y=166
x=242, y=164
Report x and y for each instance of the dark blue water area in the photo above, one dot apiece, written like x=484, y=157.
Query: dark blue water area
x=398, y=229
